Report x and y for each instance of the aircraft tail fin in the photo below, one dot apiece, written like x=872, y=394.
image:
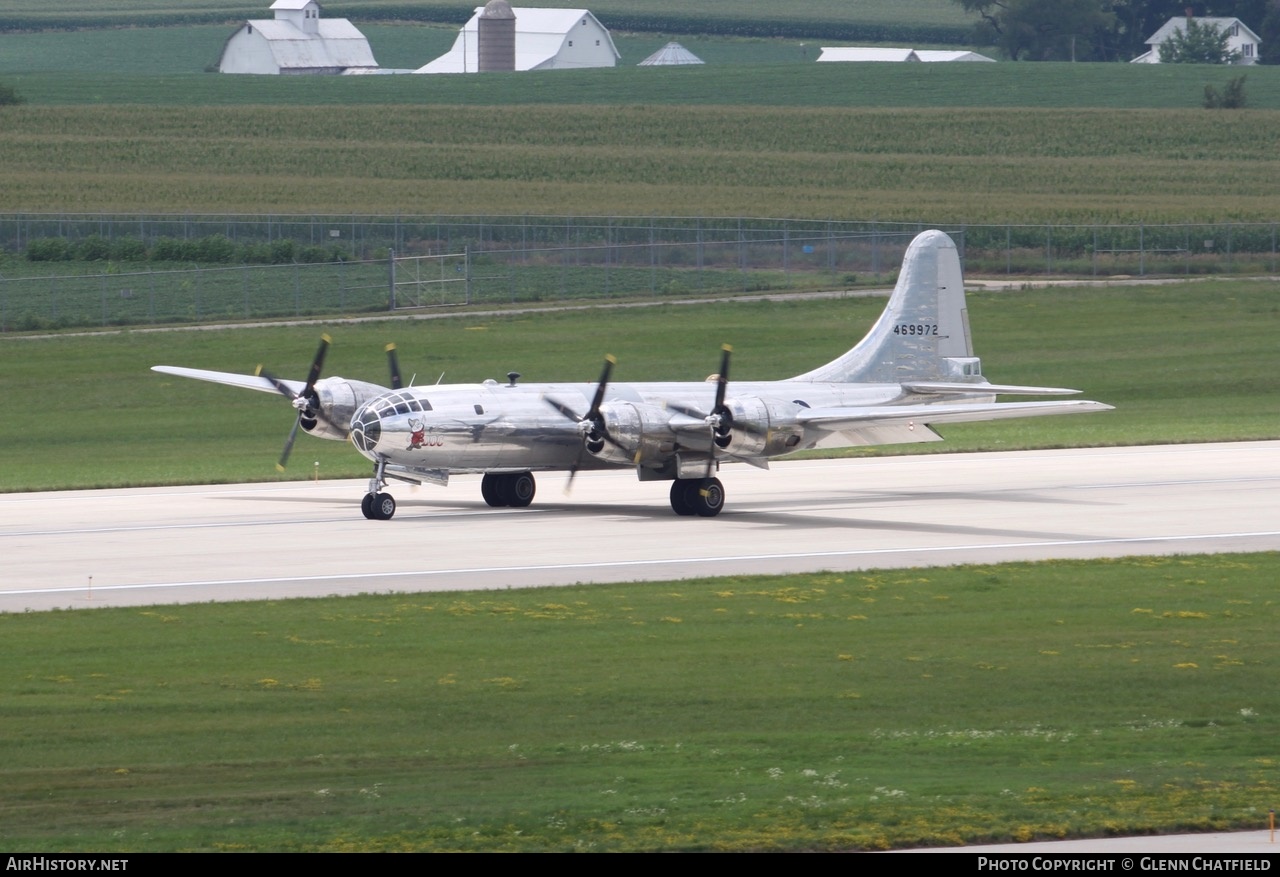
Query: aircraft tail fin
x=923, y=334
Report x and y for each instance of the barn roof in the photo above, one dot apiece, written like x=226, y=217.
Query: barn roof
x=878, y=53
x=859, y=53
x=933, y=56
x=337, y=43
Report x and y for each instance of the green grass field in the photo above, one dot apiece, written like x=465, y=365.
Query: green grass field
x=831, y=711
x=1180, y=363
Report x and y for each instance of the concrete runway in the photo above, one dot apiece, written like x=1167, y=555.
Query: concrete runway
x=83, y=549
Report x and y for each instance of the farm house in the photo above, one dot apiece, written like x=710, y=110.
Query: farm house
x=504, y=37
x=1239, y=38
x=297, y=40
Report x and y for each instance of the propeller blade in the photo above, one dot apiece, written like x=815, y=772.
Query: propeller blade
x=394, y=363
x=593, y=413
x=317, y=363
x=722, y=379
x=288, y=445
x=564, y=409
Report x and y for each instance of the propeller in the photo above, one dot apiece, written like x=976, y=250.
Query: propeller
x=590, y=425
x=394, y=362
x=307, y=402
x=720, y=420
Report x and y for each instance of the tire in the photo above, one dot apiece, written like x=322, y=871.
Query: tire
x=520, y=489
x=384, y=506
x=679, y=498
x=494, y=491
x=707, y=497
x=366, y=506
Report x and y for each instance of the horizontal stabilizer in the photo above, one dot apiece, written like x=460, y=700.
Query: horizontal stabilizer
x=249, y=382
x=936, y=387
x=838, y=419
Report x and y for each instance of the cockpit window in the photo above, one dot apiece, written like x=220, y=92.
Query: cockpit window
x=401, y=403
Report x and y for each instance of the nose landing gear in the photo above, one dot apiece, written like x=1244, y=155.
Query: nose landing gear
x=376, y=505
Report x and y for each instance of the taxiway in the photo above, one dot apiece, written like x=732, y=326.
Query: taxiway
x=81, y=549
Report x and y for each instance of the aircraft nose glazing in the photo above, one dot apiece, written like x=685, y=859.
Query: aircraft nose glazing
x=366, y=429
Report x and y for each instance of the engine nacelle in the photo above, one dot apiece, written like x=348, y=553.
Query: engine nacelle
x=761, y=428
x=641, y=430
x=338, y=399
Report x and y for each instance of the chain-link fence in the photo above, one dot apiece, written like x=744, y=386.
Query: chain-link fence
x=76, y=270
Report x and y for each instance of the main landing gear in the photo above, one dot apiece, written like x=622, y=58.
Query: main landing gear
x=514, y=489
x=697, y=496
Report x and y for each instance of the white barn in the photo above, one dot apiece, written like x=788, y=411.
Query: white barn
x=297, y=40
x=1239, y=38
x=546, y=39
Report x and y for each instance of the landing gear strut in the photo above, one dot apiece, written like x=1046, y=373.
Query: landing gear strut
x=512, y=489
x=703, y=497
x=376, y=505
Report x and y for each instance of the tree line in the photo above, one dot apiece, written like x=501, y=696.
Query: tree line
x=1108, y=30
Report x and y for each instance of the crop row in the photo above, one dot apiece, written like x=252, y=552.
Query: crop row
x=938, y=166
x=211, y=249
x=917, y=20
x=409, y=134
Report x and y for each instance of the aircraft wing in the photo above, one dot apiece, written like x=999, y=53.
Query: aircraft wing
x=251, y=382
x=900, y=424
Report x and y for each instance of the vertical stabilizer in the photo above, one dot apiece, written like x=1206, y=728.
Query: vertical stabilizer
x=923, y=333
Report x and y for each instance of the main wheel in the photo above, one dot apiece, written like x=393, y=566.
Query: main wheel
x=494, y=490
x=679, y=496
x=366, y=506
x=520, y=489
x=706, y=497
x=384, y=506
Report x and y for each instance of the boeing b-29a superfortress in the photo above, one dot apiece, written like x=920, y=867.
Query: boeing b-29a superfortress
x=913, y=370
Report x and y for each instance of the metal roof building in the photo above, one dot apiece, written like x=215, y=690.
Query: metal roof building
x=545, y=39
x=669, y=55
x=297, y=40
x=858, y=53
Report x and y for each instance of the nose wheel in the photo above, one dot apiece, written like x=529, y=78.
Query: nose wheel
x=376, y=505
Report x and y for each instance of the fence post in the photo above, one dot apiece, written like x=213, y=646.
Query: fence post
x=391, y=280
x=1142, y=251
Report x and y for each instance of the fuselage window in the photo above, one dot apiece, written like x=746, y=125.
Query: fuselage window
x=479, y=409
